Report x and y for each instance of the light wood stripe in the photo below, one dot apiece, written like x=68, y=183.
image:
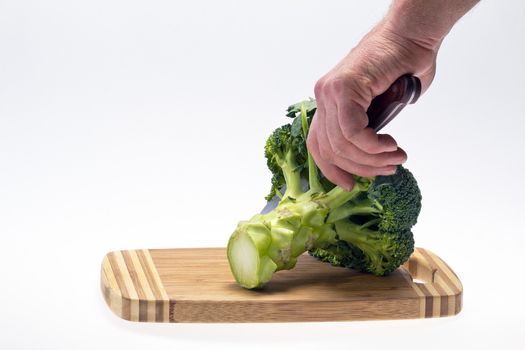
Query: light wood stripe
x=157, y=310
x=133, y=275
x=163, y=302
x=149, y=275
x=132, y=293
x=133, y=272
x=430, y=287
x=113, y=292
x=125, y=308
x=149, y=297
x=441, y=292
x=141, y=275
x=110, y=277
x=448, y=276
x=447, y=279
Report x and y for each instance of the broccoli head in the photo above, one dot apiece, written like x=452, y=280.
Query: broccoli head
x=367, y=228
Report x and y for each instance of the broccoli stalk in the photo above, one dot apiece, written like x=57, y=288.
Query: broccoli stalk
x=367, y=228
x=271, y=242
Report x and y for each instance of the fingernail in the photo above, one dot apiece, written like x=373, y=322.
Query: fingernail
x=348, y=187
x=392, y=148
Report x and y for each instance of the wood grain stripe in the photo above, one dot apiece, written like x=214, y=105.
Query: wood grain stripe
x=132, y=297
x=448, y=276
x=149, y=297
x=149, y=275
x=412, y=267
x=139, y=287
x=429, y=305
x=416, y=288
x=450, y=290
x=110, y=276
x=112, y=289
x=126, y=308
x=431, y=287
x=135, y=285
x=459, y=303
x=133, y=274
x=153, y=278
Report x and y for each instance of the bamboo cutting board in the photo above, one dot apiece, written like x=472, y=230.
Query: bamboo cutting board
x=196, y=285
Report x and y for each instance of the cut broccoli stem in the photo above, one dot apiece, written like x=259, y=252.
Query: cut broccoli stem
x=247, y=254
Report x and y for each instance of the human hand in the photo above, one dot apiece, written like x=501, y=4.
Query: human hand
x=339, y=139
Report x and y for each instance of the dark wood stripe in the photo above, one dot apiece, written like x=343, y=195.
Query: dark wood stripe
x=443, y=311
x=143, y=310
x=429, y=300
x=172, y=311
x=447, y=280
x=159, y=311
x=459, y=303
x=444, y=306
x=149, y=275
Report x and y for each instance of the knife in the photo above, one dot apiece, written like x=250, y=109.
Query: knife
x=383, y=109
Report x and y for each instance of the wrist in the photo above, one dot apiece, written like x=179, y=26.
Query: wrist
x=426, y=22
x=419, y=29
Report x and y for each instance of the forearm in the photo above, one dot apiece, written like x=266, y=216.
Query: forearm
x=426, y=21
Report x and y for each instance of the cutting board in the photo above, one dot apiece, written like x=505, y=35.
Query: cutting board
x=196, y=285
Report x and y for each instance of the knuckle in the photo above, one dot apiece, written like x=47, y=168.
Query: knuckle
x=371, y=148
x=349, y=133
x=354, y=128
x=326, y=153
x=359, y=87
x=337, y=86
x=319, y=87
x=372, y=161
x=339, y=150
x=364, y=171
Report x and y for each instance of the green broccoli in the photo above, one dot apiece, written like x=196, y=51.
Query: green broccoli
x=367, y=228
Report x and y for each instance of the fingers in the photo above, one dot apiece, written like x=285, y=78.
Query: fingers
x=352, y=122
x=330, y=171
x=338, y=158
x=360, y=149
x=338, y=168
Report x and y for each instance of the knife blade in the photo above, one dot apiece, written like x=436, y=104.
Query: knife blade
x=382, y=110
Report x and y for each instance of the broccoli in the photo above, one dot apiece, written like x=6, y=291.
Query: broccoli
x=367, y=228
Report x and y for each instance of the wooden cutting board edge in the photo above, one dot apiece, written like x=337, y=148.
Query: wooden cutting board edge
x=134, y=291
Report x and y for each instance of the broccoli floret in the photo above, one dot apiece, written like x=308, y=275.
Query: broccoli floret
x=367, y=228
x=364, y=250
x=374, y=228
x=285, y=153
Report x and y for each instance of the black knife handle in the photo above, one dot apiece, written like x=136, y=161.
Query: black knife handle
x=405, y=90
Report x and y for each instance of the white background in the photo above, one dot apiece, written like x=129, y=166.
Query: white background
x=134, y=124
